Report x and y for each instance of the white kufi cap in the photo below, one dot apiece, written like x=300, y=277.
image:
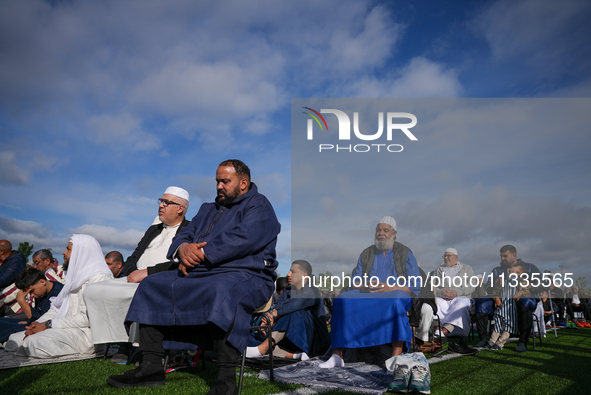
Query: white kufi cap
x=388, y=221
x=176, y=191
x=452, y=251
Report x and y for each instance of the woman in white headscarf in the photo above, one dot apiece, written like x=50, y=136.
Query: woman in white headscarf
x=65, y=329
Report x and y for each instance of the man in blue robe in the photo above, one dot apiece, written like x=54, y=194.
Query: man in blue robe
x=227, y=265
x=375, y=311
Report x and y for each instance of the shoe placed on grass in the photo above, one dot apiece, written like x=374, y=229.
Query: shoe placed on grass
x=496, y=347
x=146, y=375
x=461, y=348
x=481, y=344
x=420, y=380
x=521, y=347
x=401, y=380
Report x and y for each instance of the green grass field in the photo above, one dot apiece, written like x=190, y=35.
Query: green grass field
x=561, y=366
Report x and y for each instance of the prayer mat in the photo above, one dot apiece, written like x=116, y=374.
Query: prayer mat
x=355, y=377
x=10, y=360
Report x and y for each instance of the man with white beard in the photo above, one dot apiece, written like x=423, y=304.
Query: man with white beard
x=360, y=320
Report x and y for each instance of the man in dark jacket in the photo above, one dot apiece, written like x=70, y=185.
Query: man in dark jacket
x=107, y=302
x=226, y=258
x=12, y=263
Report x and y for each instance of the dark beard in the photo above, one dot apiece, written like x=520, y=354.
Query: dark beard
x=65, y=266
x=506, y=265
x=225, y=199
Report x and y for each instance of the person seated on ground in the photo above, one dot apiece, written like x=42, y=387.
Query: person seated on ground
x=453, y=299
x=280, y=285
x=43, y=260
x=505, y=315
x=114, y=260
x=525, y=305
x=577, y=302
x=227, y=263
x=64, y=329
x=298, y=321
x=108, y=302
x=374, y=312
x=34, y=284
x=549, y=308
x=12, y=263
x=422, y=311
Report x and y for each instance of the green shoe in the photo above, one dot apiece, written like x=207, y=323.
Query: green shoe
x=420, y=380
x=401, y=380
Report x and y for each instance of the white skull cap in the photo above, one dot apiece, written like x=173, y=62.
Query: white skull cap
x=388, y=221
x=176, y=191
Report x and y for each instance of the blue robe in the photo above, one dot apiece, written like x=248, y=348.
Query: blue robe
x=372, y=319
x=238, y=277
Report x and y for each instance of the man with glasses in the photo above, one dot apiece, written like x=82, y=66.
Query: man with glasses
x=453, y=291
x=43, y=261
x=109, y=301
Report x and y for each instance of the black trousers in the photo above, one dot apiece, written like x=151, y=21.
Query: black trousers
x=583, y=307
x=204, y=336
x=524, y=321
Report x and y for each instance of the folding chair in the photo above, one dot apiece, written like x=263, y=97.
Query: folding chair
x=537, y=321
x=267, y=327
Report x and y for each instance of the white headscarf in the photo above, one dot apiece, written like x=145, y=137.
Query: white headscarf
x=86, y=260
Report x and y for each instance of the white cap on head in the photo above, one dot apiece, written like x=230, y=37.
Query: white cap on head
x=176, y=191
x=452, y=251
x=388, y=221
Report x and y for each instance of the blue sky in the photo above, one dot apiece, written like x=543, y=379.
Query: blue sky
x=105, y=104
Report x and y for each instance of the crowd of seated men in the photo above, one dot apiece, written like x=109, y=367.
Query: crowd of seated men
x=200, y=282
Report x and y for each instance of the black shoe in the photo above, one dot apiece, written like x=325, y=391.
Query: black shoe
x=223, y=388
x=481, y=343
x=461, y=348
x=146, y=375
x=521, y=347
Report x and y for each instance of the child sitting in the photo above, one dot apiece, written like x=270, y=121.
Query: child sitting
x=505, y=315
x=34, y=283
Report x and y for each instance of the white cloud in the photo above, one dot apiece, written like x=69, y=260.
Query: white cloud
x=110, y=237
x=122, y=129
x=10, y=172
x=420, y=78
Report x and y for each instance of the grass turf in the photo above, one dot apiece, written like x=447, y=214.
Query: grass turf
x=559, y=367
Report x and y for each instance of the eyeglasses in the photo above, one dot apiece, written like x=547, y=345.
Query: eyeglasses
x=448, y=256
x=167, y=202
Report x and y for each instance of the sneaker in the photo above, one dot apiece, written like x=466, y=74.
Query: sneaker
x=521, y=347
x=489, y=345
x=401, y=380
x=146, y=375
x=461, y=348
x=480, y=344
x=496, y=347
x=420, y=380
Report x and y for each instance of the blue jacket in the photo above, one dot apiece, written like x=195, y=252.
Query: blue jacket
x=11, y=268
x=242, y=234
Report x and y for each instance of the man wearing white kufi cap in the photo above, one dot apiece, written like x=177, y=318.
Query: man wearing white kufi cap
x=108, y=302
x=453, y=299
x=385, y=314
x=64, y=329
